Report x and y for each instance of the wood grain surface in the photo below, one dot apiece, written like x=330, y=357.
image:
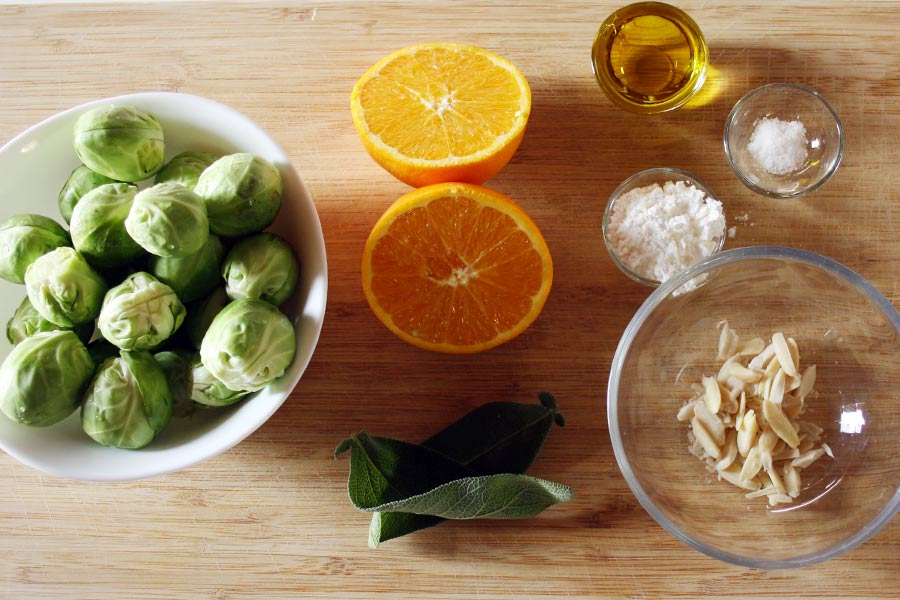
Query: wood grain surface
x=270, y=518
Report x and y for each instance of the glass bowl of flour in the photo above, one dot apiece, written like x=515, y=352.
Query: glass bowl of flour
x=661, y=221
x=783, y=140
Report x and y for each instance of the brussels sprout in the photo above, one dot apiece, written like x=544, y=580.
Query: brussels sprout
x=186, y=168
x=42, y=378
x=27, y=321
x=242, y=194
x=262, y=266
x=194, y=276
x=64, y=288
x=121, y=142
x=168, y=220
x=140, y=313
x=128, y=402
x=24, y=238
x=248, y=345
x=177, y=367
x=209, y=391
x=100, y=350
x=80, y=182
x=200, y=315
x=98, y=226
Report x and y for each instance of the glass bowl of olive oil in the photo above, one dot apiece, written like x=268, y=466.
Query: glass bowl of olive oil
x=650, y=57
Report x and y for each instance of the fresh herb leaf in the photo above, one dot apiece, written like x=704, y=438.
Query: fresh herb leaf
x=496, y=438
x=506, y=496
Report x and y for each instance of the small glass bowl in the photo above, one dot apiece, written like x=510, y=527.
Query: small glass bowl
x=788, y=102
x=667, y=43
x=659, y=176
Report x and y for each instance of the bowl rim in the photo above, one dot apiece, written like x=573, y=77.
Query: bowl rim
x=729, y=122
x=679, y=175
x=735, y=255
x=284, y=386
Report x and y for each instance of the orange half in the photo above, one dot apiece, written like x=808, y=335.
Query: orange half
x=441, y=112
x=456, y=268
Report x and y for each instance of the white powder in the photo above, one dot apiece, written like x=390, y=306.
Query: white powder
x=779, y=146
x=658, y=231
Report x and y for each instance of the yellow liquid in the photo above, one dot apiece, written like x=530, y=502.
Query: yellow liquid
x=649, y=53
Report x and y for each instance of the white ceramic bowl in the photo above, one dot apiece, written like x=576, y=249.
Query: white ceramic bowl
x=33, y=168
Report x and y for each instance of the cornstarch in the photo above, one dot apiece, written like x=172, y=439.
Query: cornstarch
x=779, y=146
x=659, y=230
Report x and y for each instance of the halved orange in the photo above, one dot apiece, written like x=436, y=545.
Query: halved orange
x=456, y=268
x=441, y=112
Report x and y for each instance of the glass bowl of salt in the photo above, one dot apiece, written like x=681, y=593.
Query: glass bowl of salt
x=783, y=140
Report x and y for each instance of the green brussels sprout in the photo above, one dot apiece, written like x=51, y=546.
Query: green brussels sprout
x=177, y=367
x=121, y=142
x=168, y=220
x=262, y=266
x=98, y=226
x=194, y=276
x=242, y=194
x=206, y=390
x=140, y=313
x=24, y=238
x=185, y=168
x=200, y=315
x=80, y=182
x=27, y=321
x=42, y=378
x=128, y=402
x=64, y=288
x=248, y=345
x=100, y=350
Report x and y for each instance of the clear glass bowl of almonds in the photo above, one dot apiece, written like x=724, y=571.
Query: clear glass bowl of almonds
x=756, y=416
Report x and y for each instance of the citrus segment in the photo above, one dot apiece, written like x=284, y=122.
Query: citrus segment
x=456, y=268
x=441, y=112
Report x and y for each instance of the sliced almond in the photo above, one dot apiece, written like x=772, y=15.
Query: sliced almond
x=807, y=381
x=751, y=347
x=746, y=436
x=758, y=362
x=783, y=352
x=828, y=450
x=780, y=424
x=776, y=390
x=776, y=499
x=742, y=373
x=712, y=394
x=706, y=440
x=763, y=491
x=795, y=354
x=752, y=465
x=730, y=452
x=733, y=476
x=686, y=412
x=791, y=480
x=711, y=421
x=728, y=341
x=808, y=458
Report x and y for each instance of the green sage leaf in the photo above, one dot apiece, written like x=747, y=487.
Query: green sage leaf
x=506, y=496
x=498, y=437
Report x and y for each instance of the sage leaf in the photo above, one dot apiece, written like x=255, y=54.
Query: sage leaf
x=383, y=470
x=497, y=437
x=506, y=496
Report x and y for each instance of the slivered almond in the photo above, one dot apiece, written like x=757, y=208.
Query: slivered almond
x=791, y=480
x=807, y=381
x=730, y=452
x=751, y=347
x=775, y=499
x=783, y=352
x=752, y=464
x=781, y=425
x=758, y=362
x=808, y=458
x=712, y=394
x=746, y=437
x=742, y=373
x=733, y=476
x=776, y=390
x=711, y=422
x=705, y=438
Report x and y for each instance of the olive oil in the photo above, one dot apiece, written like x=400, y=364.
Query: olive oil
x=650, y=57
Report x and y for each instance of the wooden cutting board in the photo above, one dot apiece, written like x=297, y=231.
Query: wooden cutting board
x=270, y=518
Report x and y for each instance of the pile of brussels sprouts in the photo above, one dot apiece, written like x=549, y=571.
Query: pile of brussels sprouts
x=156, y=301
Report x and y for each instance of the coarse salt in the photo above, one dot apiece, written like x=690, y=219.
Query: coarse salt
x=780, y=147
x=659, y=230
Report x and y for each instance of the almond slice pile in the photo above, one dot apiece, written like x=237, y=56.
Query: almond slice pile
x=746, y=421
